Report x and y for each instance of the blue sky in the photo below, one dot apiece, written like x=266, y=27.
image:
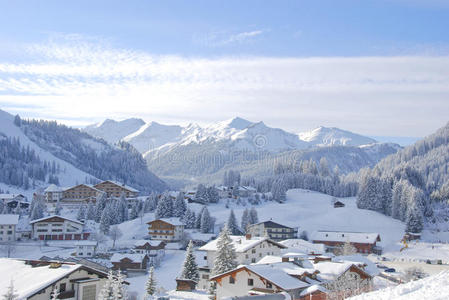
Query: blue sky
x=374, y=67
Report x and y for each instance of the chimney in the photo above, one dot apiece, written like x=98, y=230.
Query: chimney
x=248, y=236
x=284, y=259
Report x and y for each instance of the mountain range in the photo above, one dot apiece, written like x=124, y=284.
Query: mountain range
x=193, y=152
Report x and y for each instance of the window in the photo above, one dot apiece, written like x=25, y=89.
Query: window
x=246, y=256
x=253, y=251
x=231, y=280
x=269, y=285
x=253, y=260
x=205, y=257
x=250, y=282
x=62, y=288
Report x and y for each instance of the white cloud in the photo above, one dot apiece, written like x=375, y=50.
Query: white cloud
x=225, y=38
x=88, y=81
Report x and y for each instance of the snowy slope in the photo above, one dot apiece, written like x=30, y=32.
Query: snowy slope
x=113, y=131
x=325, y=136
x=69, y=174
x=434, y=287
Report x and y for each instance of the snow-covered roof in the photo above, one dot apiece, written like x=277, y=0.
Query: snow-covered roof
x=241, y=243
x=277, y=276
x=55, y=216
x=134, y=257
x=303, y=246
x=173, y=221
x=344, y=236
x=52, y=188
x=332, y=270
x=312, y=289
x=247, y=188
x=29, y=280
x=362, y=261
x=9, y=219
x=153, y=243
x=271, y=224
x=129, y=188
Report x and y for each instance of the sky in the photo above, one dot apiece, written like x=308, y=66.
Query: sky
x=379, y=68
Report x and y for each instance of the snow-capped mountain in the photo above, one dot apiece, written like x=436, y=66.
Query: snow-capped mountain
x=325, y=136
x=113, y=131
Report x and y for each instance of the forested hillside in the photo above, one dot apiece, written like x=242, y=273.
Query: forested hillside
x=411, y=185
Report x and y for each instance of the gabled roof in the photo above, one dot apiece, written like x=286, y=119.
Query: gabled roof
x=29, y=280
x=9, y=219
x=86, y=185
x=299, y=245
x=10, y=196
x=153, y=243
x=330, y=271
x=55, y=216
x=122, y=185
x=273, y=275
x=271, y=224
x=173, y=221
x=345, y=236
x=54, y=188
x=134, y=257
x=241, y=243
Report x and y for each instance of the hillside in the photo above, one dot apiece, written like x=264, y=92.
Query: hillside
x=69, y=156
x=324, y=136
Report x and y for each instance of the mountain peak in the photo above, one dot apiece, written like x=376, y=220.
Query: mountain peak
x=238, y=123
x=326, y=136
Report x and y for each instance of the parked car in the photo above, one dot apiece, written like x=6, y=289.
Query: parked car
x=390, y=270
x=380, y=266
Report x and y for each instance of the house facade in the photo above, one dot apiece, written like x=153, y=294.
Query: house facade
x=114, y=189
x=58, y=228
x=155, y=250
x=364, y=242
x=275, y=231
x=166, y=229
x=129, y=262
x=36, y=280
x=8, y=225
x=86, y=248
x=248, y=250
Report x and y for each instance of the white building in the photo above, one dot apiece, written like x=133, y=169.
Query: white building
x=8, y=224
x=248, y=250
x=154, y=249
x=58, y=228
x=86, y=248
x=166, y=229
x=35, y=280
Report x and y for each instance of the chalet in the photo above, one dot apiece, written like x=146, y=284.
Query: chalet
x=248, y=249
x=273, y=230
x=186, y=285
x=223, y=191
x=114, y=189
x=58, y=228
x=81, y=193
x=129, y=262
x=154, y=249
x=8, y=224
x=246, y=191
x=166, y=229
x=35, y=280
x=364, y=242
x=14, y=200
x=86, y=248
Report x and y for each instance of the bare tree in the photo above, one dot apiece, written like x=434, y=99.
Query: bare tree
x=115, y=233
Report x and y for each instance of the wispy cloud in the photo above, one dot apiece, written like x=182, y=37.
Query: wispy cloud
x=226, y=38
x=90, y=80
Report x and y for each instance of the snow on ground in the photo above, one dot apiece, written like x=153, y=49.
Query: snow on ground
x=435, y=287
x=312, y=211
x=165, y=275
x=420, y=251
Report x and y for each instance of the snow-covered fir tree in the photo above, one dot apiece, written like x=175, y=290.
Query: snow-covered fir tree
x=225, y=259
x=206, y=222
x=190, y=267
x=81, y=215
x=58, y=209
x=180, y=206
x=164, y=208
x=134, y=214
x=100, y=204
x=245, y=220
x=151, y=284
x=90, y=212
x=232, y=224
x=105, y=222
x=201, y=194
x=253, y=218
x=198, y=218
x=189, y=219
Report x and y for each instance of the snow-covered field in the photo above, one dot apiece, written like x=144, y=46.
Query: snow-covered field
x=435, y=287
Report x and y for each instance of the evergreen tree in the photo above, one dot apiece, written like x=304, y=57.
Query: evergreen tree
x=100, y=205
x=225, y=259
x=206, y=222
x=164, y=208
x=253, y=217
x=38, y=210
x=134, y=214
x=200, y=194
x=198, y=218
x=232, y=224
x=150, y=286
x=245, y=220
x=189, y=219
x=81, y=213
x=180, y=206
x=90, y=213
x=105, y=222
x=190, y=268
x=414, y=222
